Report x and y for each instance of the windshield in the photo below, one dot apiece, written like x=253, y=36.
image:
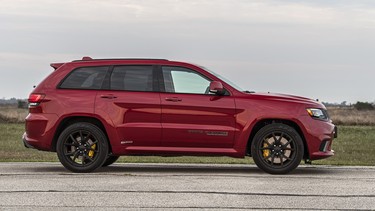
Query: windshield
x=224, y=79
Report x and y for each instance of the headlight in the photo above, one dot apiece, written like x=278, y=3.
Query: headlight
x=317, y=113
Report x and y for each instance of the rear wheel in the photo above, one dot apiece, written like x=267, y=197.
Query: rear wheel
x=110, y=160
x=82, y=147
x=277, y=148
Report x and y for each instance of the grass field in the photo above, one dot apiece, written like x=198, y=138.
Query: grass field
x=11, y=114
x=355, y=146
x=340, y=116
x=351, y=116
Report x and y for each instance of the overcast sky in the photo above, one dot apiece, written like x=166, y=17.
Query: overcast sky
x=318, y=49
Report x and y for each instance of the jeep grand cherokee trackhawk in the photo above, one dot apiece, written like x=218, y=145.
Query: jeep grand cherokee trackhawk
x=92, y=111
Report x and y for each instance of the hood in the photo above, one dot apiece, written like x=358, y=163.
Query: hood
x=286, y=98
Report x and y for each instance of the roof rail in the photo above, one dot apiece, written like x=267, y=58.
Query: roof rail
x=87, y=58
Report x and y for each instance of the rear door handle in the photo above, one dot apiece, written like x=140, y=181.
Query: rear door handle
x=108, y=96
x=173, y=99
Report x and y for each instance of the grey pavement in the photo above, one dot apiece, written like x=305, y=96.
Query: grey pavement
x=46, y=186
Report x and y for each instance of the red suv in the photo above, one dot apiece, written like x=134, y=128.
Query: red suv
x=92, y=111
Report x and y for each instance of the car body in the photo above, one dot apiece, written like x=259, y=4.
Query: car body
x=162, y=107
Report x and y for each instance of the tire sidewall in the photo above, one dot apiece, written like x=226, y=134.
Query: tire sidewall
x=110, y=160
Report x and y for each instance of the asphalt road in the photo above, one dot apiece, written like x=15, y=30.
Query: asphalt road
x=46, y=186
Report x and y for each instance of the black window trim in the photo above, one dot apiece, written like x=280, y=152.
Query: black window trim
x=158, y=79
x=106, y=84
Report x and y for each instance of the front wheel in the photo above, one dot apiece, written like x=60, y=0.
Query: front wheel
x=277, y=148
x=82, y=147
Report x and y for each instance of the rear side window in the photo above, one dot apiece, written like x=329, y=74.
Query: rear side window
x=132, y=78
x=85, y=78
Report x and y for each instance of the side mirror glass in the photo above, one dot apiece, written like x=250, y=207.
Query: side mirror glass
x=216, y=87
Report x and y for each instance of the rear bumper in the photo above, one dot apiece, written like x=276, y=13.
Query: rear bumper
x=39, y=131
x=25, y=143
x=34, y=144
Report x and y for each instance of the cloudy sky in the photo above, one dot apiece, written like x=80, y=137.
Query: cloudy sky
x=318, y=49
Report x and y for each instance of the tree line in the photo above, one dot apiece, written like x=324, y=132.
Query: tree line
x=358, y=105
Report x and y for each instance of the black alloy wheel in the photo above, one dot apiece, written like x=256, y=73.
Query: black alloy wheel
x=277, y=148
x=82, y=147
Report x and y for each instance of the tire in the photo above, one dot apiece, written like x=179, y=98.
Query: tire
x=277, y=148
x=82, y=147
x=110, y=160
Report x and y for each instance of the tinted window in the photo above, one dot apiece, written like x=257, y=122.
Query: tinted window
x=132, y=78
x=183, y=80
x=85, y=78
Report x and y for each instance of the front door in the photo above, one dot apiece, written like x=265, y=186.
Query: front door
x=191, y=116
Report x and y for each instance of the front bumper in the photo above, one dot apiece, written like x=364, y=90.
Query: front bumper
x=319, y=137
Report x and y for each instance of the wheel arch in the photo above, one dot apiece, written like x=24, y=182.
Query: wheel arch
x=75, y=119
x=261, y=123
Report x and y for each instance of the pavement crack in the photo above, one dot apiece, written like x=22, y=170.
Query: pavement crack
x=173, y=207
x=196, y=192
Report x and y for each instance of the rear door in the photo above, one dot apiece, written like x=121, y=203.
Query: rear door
x=131, y=102
x=191, y=116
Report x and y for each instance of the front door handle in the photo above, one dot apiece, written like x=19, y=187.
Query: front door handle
x=173, y=99
x=108, y=96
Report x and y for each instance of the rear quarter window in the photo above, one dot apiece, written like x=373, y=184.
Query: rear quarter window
x=85, y=78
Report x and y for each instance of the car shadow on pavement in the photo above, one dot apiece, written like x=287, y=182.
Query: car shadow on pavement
x=124, y=168
x=207, y=169
x=179, y=169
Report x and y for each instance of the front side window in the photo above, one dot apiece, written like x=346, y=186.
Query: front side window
x=85, y=78
x=132, y=78
x=183, y=80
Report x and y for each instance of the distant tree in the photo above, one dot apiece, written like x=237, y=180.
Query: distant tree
x=328, y=104
x=21, y=104
x=364, y=106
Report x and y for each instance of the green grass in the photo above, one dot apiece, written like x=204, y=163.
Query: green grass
x=12, y=149
x=355, y=146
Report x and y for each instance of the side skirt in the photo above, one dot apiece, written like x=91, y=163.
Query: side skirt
x=180, y=151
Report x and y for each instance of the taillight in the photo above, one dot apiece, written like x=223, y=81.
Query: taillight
x=35, y=99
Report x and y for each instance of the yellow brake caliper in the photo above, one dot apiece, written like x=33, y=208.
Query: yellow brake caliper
x=91, y=152
x=266, y=152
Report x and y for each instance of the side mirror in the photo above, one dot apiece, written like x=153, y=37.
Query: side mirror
x=216, y=87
